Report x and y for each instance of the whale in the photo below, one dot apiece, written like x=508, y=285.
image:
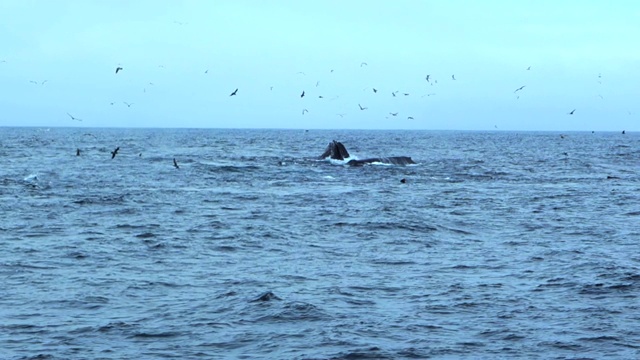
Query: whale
x=337, y=151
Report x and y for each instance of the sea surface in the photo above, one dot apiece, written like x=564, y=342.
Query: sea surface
x=499, y=245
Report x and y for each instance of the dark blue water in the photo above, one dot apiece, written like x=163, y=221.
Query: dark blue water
x=499, y=245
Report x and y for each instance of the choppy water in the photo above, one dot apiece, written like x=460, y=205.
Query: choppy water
x=499, y=245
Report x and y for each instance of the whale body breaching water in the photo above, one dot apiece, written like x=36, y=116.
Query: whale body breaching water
x=337, y=151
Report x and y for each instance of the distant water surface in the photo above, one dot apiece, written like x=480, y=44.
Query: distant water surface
x=499, y=245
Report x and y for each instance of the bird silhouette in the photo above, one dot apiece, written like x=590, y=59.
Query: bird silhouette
x=453, y=77
x=128, y=104
x=362, y=108
x=302, y=95
x=518, y=89
x=364, y=63
x=341, y=115
x=394, y=93
x=115, y=152
x=375, y=90
x=572, y=111
x=393, y=114
x=118, y=69
x=304, y=111
x=175, y=164
x=410, y=118
x=234, y=92
x=428, y=76
x=74, y=118
x=529, y=68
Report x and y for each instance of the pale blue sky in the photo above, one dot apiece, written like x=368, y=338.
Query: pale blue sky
x=583, y=55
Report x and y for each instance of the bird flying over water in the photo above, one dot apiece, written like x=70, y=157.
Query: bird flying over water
x=394, y=93
x=74, y=118
x=362, y=108
x=571, y=112
x=520, y=88
x=118, y=69
x=453, y=77
x=529, y=68
x=175, y=164
x=428, y=76
x=364, y=63
x=375, y=90
x=410, y=118
x=128, y=104
x=304, y=111
x=115, y=152
x=393, y=114
x=234, y=92
x=302, y=95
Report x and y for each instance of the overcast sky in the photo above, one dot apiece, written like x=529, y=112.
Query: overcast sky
x=182, y=59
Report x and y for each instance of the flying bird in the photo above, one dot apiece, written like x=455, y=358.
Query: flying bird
x=302, y=95
x=453, y=77
x=410, y=118
x=115, y=152
x=572, y=111
x=393, y=114
x=234, y=92
x=78, y=152
x=364, y=63
x=529, y=68
x=118, y=69
x=128, y=104
x=518, y=89
x=406, y=94
x=175, y=164
x=394, y=93
x=428, y=76
x=317, y=83
x=74, y=118
x=375, y=90
x=341, y=115
x=362, y=108
x=304, y=111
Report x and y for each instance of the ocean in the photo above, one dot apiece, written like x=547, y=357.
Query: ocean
x=499, y=245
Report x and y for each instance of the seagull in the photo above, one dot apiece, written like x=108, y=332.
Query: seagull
x=74, y=118
x=406, y=94
x=341, y=115
x=304, y=111
x=115, y=152
x=453, y=77
x=394, y=93
x=175, y=164
x=126, y=103
x=375, y=90
x=118, y=69
x=362, y=108
x=393, y=114
x=520, y=88
x=234, y=92
x=302, y=95
x=572, y=111
x=410, y=118
x=364, y=63
x=428, y=76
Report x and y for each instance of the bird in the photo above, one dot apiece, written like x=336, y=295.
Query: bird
x=206, y=71
x=302, y=95
x=453, y=77
x=320, y=97
x=364, y=63
x=428, y=76
x=118, y=69
x=74, y=118
x=409, y=117
x=429, y=94
x=393, y=114
x=234, y=92
x=271, y=88
x=341, y=115
x=529, y=68
x=77, y=152
x=128, y=104
x=175, y=164
x=317, y=83
x=571, y=112
x=304, y=111
x=403, y=180
x=362, y=108
x=394, y=93
x=375, y=90
x=623, y=132
x=405, y=94
x=518, y=89
x=115, y=152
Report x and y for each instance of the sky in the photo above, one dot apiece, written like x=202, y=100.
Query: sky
x=181, y=60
